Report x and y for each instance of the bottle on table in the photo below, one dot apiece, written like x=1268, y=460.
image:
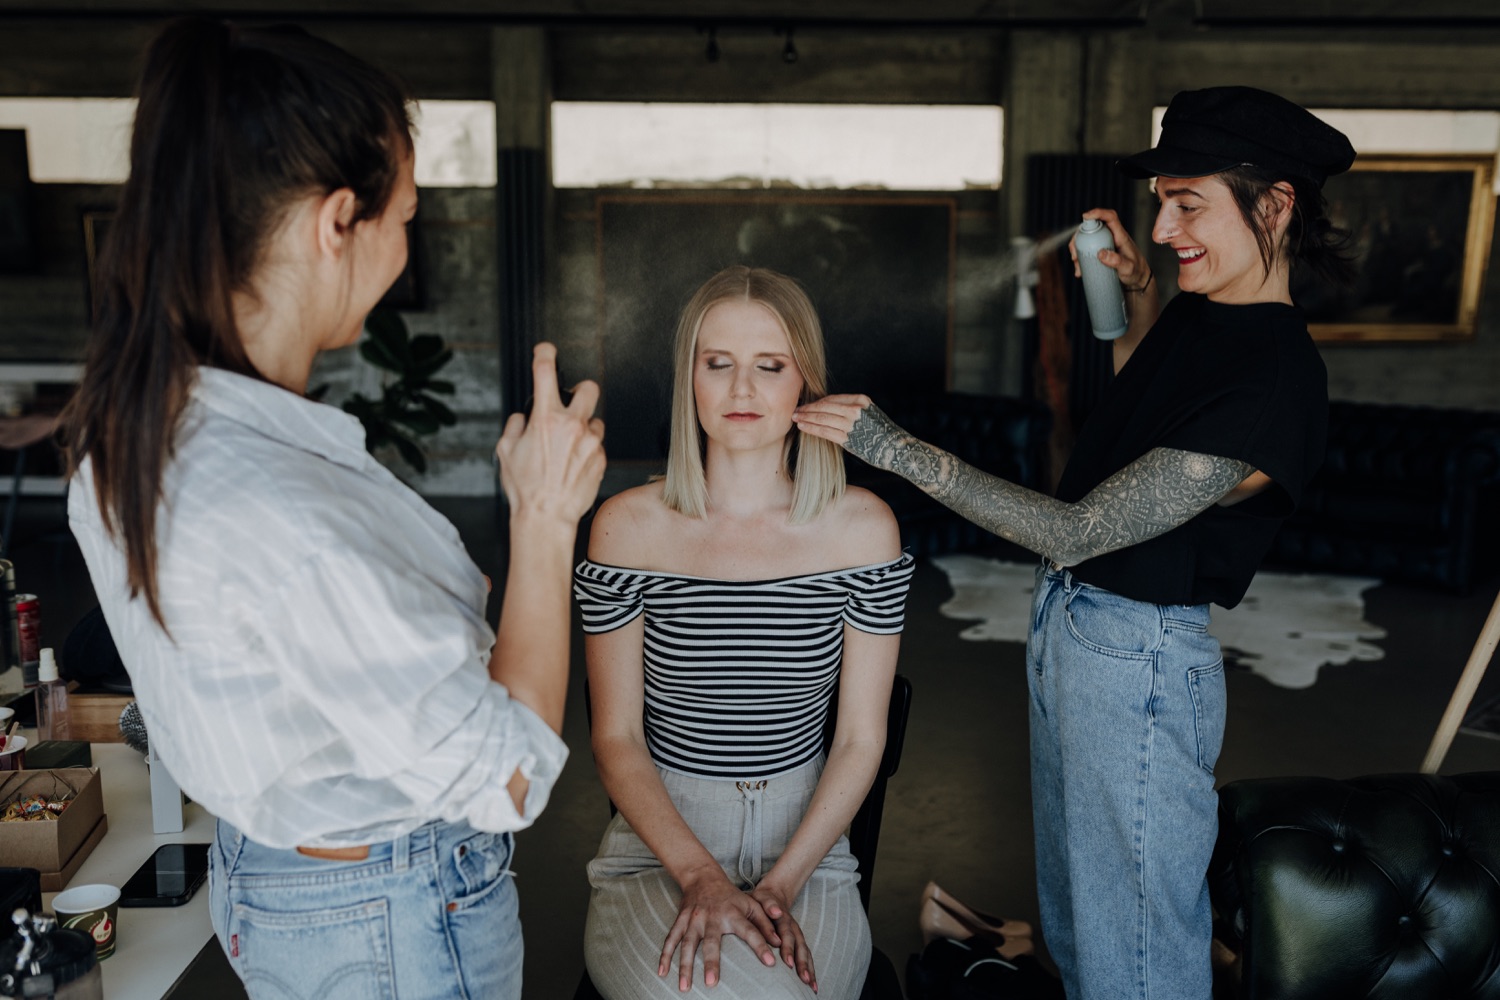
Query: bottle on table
x=52, y=719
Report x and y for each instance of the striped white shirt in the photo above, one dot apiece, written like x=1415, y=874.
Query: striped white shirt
x=326, y=681
x=738, y=673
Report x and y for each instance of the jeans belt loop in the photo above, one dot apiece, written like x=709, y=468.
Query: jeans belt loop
x=401, y=852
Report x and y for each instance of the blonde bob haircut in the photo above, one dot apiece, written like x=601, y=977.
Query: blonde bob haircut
x=815, y=466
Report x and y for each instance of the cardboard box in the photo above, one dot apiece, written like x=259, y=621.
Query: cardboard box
x=57, y=848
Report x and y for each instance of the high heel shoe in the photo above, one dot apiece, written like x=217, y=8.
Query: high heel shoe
x=997, y=925
x=938, y=920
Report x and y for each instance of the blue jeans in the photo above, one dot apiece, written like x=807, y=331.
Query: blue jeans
x=1127, y=720
x=431, y=914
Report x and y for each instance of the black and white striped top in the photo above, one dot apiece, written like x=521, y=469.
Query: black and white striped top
x=739, y=672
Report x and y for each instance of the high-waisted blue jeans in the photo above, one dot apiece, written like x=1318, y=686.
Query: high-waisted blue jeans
x=432, y=914
x=1127, y=720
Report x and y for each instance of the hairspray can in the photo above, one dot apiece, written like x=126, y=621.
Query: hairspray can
x=1101, y=285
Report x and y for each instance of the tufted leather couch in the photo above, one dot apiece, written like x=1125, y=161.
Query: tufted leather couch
x=1406, y=493
x=1381, y=887
x=998, y=434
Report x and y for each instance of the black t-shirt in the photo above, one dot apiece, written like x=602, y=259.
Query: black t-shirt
x=1235, y=381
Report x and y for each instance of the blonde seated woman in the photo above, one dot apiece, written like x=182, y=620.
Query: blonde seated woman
x=721, y=605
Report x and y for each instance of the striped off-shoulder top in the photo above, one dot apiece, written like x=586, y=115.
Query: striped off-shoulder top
x=739, y=672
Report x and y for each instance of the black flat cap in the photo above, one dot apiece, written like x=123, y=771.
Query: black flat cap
x=1206, y=131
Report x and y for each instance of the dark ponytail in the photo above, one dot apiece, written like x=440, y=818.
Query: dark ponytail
x=1312, y=240
x=234, y=126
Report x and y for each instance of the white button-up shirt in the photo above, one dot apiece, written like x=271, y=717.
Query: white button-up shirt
x=325, y=679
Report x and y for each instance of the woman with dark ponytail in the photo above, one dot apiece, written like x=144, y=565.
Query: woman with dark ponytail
x=306, y=637
x=1179, y=479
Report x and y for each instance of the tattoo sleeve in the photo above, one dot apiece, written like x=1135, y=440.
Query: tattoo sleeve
x=1149, y=497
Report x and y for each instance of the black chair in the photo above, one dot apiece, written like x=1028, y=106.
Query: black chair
x=881, y=982
x=1362, y=889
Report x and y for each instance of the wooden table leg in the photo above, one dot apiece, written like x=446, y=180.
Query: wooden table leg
x=1468, y=683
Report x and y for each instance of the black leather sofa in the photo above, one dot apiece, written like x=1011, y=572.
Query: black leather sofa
x=1406, y=493
x=998, y=434
x=1375, y=888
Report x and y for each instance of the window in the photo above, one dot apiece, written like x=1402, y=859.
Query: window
x=87, y=140
x=821, y=146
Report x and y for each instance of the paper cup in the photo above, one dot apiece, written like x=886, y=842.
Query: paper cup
x=93, y=910
x=13, y=757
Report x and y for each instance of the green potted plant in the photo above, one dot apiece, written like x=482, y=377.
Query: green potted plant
x=408, y=408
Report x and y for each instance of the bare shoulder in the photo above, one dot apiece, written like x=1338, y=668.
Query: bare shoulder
x=629, y=526
x=862, y=528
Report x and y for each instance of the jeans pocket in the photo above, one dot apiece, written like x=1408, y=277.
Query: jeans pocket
x=1113, y=625
x=341, y=953
x=1210, y=704
x=481, y=863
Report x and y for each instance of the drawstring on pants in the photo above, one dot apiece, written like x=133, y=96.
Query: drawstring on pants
x=750, y=836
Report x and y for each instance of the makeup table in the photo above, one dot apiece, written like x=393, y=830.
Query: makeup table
x=155, y=944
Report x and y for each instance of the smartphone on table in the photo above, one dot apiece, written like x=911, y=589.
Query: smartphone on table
x=169, y=877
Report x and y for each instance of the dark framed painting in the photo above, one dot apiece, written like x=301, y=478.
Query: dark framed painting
x=1422, y=227
x=18, y=246
x=95, y=228
x=407, y=292
x=878, y=268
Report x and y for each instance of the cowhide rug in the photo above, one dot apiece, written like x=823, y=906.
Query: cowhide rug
x=1287, y=626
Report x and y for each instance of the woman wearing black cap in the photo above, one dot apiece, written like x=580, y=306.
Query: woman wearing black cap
x=1179, y=480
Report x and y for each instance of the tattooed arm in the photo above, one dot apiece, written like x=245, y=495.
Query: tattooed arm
x=1151, y=496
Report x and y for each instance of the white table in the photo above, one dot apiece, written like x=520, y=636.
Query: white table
x=155, y=943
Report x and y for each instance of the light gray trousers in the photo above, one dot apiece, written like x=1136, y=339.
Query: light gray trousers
x=745, y=828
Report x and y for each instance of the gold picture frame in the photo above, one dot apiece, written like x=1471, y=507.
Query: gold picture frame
x=1422, y=228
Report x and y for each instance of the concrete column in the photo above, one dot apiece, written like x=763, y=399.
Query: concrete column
x=1039, y=83
x=520, y=72
x=1066, y=92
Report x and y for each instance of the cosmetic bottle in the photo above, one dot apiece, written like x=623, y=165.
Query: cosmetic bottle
x=1101, y=285
x=52, y=721
x=12, y=674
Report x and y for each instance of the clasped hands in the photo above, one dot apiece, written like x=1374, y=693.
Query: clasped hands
x=713, y=907
x=551, y=463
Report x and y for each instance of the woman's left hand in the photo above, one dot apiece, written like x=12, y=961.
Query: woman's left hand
x=794, y=949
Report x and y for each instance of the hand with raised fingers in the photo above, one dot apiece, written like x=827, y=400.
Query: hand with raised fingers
x=794, y=950
x=711, y=908
x=552, y=461
x=1126, y=258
